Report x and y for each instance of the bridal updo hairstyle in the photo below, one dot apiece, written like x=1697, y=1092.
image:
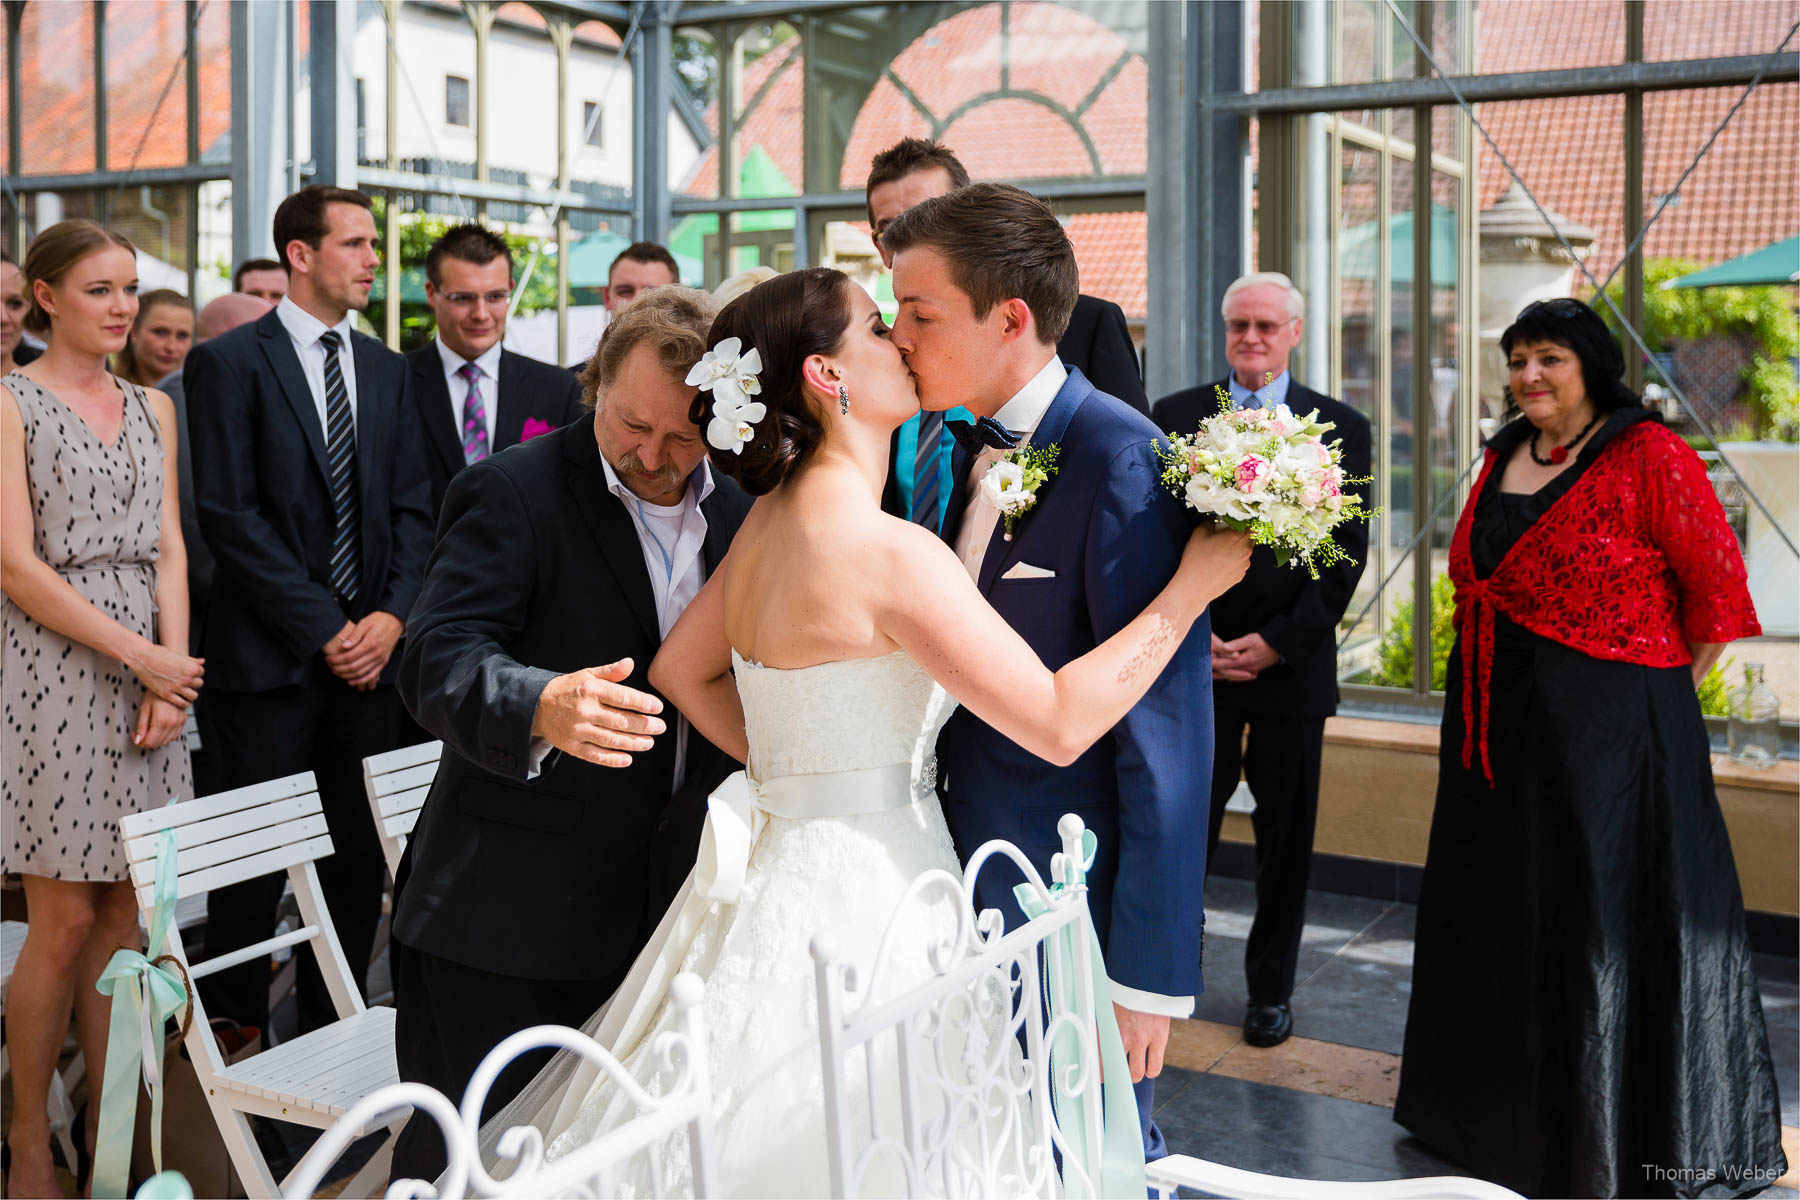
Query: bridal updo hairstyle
x=786, y=320
x=1578, y=329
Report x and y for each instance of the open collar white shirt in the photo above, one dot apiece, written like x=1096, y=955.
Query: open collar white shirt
x=488, y=384
x=671, y=539
x=1021, y=415
x=304, y=329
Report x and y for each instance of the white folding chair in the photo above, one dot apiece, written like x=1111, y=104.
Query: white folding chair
x=62, y=1112
x=228, y=838
x=683, y=1104
x=397, y=783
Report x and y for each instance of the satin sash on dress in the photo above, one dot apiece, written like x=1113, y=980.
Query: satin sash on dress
x=737, y=812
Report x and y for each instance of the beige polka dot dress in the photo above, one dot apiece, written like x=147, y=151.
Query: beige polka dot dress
x=68, y=768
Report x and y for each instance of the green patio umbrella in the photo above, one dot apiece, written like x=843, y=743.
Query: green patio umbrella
x=1775, y=264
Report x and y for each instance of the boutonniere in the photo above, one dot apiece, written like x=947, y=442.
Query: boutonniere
x=534, y=428
x=1011, y=485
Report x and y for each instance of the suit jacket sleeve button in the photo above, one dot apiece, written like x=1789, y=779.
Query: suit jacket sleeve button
x=662, y=826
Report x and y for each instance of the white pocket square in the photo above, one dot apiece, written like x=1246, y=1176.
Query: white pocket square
x=1024, y=570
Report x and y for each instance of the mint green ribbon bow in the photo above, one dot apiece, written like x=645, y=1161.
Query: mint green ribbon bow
x=166, y=1185
x=1116, y=1166
x=145, y=993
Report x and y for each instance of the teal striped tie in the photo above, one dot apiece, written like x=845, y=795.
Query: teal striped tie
x=925, y=470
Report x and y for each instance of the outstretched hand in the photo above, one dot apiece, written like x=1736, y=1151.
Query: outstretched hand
x=594, y=716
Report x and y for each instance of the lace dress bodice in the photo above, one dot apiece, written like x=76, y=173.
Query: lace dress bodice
x=840, y=716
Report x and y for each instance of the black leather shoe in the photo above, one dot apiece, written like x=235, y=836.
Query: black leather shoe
x=1268, y=1024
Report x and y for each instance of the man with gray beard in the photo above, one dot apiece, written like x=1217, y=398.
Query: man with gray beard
x=568, y=804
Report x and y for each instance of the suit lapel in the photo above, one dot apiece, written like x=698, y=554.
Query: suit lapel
x=372, y=421
x=1050, y=429
x=278, y=348
x=432, y=396
x=514, y=401
x=611, y=526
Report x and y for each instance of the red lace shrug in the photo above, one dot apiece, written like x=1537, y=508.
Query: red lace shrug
x=1632, y=564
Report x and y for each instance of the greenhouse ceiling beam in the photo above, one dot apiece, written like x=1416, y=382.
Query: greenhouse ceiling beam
x=755, y=10
x=381, y=178
x=151, y=176
x=1521, y=85
x=590, y=10
x=1120, y=186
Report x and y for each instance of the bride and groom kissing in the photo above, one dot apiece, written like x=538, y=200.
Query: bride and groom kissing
x=895, y=696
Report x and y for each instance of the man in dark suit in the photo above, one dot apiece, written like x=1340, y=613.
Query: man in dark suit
x=310, y=481
x=1097, y=341
x=1103, y=538
x=568, y=805
x=475, y=397
x=1274, y=650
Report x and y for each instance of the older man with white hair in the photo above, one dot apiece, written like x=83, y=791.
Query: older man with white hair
x=1274, y=650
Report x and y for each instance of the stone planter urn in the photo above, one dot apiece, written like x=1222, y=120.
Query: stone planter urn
x=1772, y=471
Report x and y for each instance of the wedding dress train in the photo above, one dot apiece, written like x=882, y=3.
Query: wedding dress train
x=834, y=818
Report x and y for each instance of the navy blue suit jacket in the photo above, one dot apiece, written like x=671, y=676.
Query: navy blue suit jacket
x=263, y=492
x=1114, y=537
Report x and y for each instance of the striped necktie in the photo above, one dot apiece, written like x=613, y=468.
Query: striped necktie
x=340, y=453
x=474, y=416
x=925, y=470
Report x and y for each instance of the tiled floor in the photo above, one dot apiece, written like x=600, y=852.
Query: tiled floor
x=1320, y=1106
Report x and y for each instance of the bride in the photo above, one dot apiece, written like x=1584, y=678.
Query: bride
x=824, y=653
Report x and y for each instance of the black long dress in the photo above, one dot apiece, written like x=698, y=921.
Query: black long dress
x=1585, y=1018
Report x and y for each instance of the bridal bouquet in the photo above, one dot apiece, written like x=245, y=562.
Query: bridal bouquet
x=1270, y=473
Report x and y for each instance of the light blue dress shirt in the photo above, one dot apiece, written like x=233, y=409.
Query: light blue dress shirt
x=1270, y=394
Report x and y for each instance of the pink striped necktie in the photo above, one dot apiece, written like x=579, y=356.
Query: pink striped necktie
x=474, y=416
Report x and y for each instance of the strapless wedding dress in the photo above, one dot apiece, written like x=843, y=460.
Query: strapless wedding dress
x=836, y=816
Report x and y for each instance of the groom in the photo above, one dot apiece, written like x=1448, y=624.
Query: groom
x=986, y=280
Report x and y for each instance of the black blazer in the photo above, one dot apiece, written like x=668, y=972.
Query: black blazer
x=538, y=571
x=1295, y=613
x=263, y=491
x=1099, y=343
x=528, y=389
x=200, y=560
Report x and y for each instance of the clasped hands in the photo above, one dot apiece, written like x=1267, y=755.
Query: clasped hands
x=359, y=652
x=594, y=716
x=1242, y=659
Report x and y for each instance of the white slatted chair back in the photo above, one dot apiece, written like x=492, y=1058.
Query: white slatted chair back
x=927, y=1069
x=271, y=828
x=397, y=783
x=681, y=1106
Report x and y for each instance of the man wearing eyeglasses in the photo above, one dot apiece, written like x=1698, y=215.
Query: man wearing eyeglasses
x=476, y=398
x=1274, y=649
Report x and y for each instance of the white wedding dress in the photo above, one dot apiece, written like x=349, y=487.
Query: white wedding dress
x=844, y=749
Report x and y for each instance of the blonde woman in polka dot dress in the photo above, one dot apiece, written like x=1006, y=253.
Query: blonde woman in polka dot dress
x=94, y=675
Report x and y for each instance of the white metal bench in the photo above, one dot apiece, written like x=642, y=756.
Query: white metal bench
x=252, y=832
x=682, y=1105
x=397, y=783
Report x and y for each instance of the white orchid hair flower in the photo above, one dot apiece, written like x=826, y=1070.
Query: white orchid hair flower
x=732, y=375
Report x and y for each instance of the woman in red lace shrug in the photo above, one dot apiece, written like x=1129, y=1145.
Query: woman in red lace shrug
x=1584, y=1017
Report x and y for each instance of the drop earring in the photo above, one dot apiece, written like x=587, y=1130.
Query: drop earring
x=843, y=400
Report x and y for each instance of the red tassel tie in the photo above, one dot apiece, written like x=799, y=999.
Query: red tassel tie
x=1475, y=618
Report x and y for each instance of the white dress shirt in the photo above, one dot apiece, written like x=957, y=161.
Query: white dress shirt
x=981, y=519
x=489, y=383
x=1021, y=414
x=670, y=538
x=304, y=329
